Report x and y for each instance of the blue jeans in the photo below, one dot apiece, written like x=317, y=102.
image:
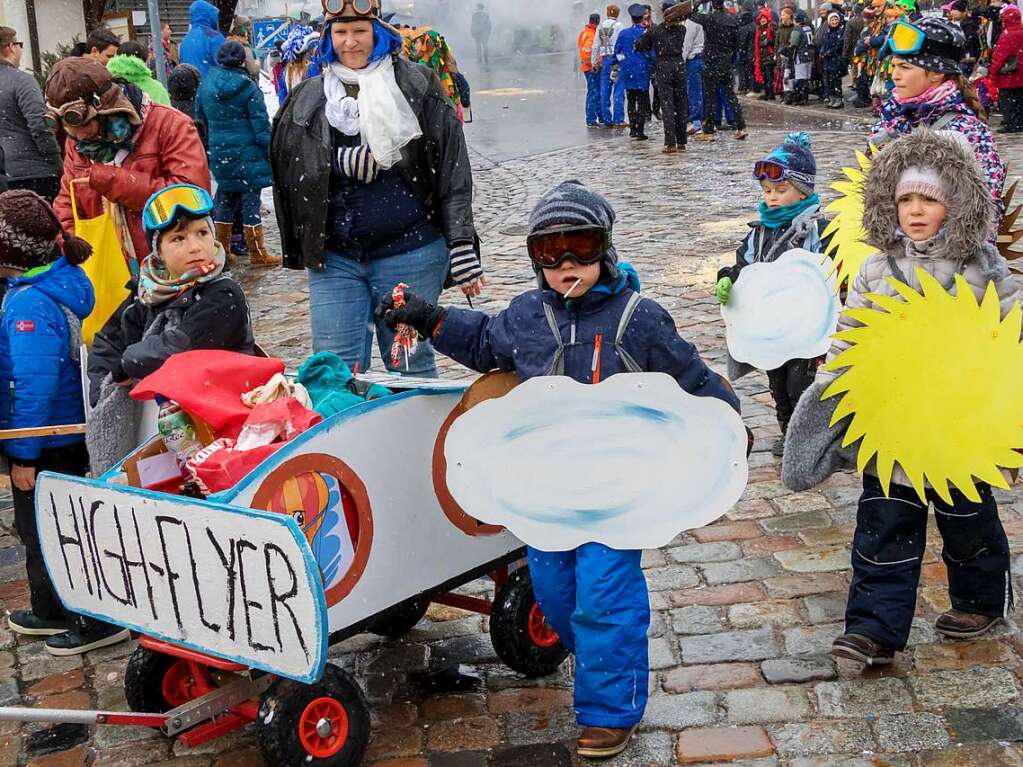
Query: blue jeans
x=721, y=104
x=612, y=95
x=592, y=96
x=694, y=76
x=343, y=295
x=596, y=599
x=226, y=205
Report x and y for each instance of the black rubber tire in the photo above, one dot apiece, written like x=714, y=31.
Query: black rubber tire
x=395, y=622
x=509, y=622
x=143, y=681
x=281, y=708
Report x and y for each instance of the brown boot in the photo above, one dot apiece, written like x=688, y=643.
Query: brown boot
x=957, y=624
x=258, y=255
x=223, y=235
x=603, y=742
x=862, y=649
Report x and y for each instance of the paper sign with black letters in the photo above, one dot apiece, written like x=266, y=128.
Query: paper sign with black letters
x=228, y=581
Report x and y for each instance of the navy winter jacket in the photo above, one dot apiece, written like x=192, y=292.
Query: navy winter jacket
x=40, y=382
x=199, y=47
x=231, y=108
x=519, y=339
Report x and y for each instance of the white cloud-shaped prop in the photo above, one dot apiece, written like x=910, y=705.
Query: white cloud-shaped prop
x=629, y=462
x=782, y=310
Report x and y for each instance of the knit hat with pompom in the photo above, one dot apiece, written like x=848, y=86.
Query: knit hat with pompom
x=796, y=157
x=31, y=235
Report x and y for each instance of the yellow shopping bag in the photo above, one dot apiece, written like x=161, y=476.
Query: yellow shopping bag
x=106, y=267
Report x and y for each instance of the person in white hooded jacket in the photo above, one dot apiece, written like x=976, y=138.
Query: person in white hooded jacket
x=612, y=91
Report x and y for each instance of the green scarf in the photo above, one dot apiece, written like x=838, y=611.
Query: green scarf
x=775, y=218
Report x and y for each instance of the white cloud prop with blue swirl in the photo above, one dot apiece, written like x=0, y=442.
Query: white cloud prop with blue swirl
x=782, y=310
x=629, y=462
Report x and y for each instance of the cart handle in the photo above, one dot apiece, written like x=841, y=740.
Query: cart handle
x=78, y=716
x=43, y=431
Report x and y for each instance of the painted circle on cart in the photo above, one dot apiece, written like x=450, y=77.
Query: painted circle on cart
x=455, y=514
x=330, y=503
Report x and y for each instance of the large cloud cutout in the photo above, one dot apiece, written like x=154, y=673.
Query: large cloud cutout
x=782, y=310
x=629, y=462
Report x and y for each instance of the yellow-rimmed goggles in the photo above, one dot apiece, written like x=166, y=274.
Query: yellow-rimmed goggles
x=905, y=39
x=163, y=206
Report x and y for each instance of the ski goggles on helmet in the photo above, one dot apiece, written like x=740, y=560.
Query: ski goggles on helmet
x=584, y=244
x=367, y=9
x=905, y=39
x=81, y=110
x=162, y=207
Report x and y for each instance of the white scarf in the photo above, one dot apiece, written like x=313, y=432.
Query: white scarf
x=382, y=115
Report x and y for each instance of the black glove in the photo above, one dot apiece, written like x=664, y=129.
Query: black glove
x=423, y=316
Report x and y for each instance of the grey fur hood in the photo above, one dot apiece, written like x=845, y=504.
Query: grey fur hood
x=971, y=211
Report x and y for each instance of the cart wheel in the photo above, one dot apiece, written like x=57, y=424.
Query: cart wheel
x=522, y=637
x=314, y=725
x=154, y=682
x=395, y=622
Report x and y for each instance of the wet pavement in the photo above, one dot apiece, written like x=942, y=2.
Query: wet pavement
x=743, y=610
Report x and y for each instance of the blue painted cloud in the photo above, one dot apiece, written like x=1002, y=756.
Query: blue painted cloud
x=630, y=462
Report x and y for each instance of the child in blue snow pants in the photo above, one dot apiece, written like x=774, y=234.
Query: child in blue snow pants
x=593, y=595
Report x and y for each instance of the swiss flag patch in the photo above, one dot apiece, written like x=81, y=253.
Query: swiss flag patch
x=25, y=326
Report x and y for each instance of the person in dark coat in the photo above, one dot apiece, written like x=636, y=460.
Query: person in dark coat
x=744, y=52
x=634, y=68
x=594, y=596
x=362, y=199
x=834, y=65
x=851, y=35
x=667, y=41
x=182, y=85
x=231, y=107
x=722, y=40
x=764, y=51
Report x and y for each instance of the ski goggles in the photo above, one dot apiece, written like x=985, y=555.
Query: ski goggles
x=355, y=9
x=905, y=39
x=768, y=170
x=162, y=207
x=583, y=244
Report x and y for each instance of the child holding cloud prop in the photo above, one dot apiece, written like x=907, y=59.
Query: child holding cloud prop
x=788, y=330
x=924, y=375
x=586, y=322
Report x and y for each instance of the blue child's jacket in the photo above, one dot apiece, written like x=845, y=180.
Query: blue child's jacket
x=520, y=339
x=40, y=382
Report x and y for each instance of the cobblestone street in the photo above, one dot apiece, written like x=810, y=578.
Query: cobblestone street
x=744, y=611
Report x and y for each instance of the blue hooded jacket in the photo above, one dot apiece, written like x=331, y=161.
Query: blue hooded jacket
x=199, y=47
x=40, y=382
x=232, y=108
x=519, y=338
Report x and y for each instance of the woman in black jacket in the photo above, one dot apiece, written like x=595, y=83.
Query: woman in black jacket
x=372, y=187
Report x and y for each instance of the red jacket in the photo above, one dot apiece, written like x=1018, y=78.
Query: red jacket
x=1010, y=43
x=167, y=151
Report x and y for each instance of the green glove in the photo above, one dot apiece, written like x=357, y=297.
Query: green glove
x=723, y=290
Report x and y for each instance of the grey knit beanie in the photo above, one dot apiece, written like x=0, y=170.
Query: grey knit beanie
x=572, y=203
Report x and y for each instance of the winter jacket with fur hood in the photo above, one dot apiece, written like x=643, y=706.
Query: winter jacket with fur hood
x=812, y=448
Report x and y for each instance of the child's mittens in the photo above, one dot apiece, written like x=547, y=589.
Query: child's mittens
x=465, y=264
x=420, y=314
x=723, y=290
x=358, y=163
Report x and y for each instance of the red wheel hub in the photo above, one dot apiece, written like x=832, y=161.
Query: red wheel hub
x=540, y=631
x=180, y=684
x=323, y=727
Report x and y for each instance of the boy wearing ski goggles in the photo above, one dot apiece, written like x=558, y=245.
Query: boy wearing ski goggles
x=569, y=256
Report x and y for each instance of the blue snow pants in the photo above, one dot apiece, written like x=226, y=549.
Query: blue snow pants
x=612, y=95
x=596, y=599
x=694, y=77
x=592, y=97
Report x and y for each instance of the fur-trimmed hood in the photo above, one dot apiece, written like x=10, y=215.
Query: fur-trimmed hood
x=970, y=221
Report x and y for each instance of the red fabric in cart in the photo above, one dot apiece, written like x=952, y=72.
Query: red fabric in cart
x=209, y=385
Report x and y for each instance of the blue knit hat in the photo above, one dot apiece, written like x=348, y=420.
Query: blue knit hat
x=795, y=156
x=572, y=203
